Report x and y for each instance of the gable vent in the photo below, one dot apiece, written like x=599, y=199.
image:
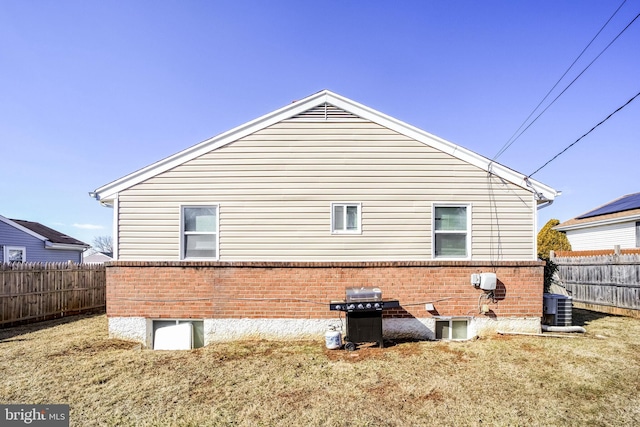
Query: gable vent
x=326, y=112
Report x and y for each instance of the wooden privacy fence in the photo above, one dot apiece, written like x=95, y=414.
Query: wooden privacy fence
x=37, y=291
x=602, y=279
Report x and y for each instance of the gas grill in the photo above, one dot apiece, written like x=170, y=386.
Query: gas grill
x=363, y=307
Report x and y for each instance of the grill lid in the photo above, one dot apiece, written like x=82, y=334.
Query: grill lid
x=363, y=294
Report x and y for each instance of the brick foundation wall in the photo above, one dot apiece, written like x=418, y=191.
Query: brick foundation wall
x=302, y=290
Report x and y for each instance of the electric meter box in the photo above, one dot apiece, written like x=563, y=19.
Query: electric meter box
x=488, y=281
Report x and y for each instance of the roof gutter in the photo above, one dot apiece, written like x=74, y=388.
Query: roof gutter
x=545, y=203
x=65, y=246
x=106, y=203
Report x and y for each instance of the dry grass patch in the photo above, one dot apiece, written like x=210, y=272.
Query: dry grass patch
x=514, y=380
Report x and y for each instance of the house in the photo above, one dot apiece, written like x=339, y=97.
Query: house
x=616, y=223
x=253, y=232
x=97, y=258
x=27, y=241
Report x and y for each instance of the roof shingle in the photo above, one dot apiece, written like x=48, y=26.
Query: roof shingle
x=51, y=234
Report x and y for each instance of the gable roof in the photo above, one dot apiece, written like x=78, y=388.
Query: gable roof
x=622, y=209
x=98, y=258
x=621, y=204
x=53, y=239
x=320, y=106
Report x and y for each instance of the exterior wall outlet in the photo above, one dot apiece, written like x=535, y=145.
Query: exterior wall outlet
x=429, y=307
x=475, y=280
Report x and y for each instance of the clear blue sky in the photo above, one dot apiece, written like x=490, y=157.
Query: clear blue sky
x=93, y=90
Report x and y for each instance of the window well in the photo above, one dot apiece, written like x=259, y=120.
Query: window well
x=452, y=329
x=178, y=334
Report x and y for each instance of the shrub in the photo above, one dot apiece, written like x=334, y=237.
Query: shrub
x=551, y=240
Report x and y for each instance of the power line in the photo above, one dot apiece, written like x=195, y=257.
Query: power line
x=513, y=137
x=590, y=130
x=569, y=85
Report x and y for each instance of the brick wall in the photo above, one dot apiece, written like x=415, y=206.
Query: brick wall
x=303, y=290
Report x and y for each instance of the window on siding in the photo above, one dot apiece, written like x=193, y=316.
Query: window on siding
x=637, y=234
x=345, y=218
x=199, y=232
x=15, y=254
x=451, y=231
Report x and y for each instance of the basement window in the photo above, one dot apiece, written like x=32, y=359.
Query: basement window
x=452, y=328
x=178, y=334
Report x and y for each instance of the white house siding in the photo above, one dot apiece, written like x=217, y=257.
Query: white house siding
x=603, y=237
x=275, y=188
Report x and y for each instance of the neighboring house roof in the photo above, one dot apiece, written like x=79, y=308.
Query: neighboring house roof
x=622, y=204
x=622, y=209
x=98, y=258
x=52, y=239
x=317, y=107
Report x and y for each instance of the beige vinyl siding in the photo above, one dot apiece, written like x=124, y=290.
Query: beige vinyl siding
x=275, y=189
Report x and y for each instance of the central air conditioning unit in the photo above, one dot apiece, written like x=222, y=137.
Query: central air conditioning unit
x=549, y=304
x=557, y=309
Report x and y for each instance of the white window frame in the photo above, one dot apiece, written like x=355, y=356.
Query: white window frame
x=14, y=248
x=450, y=320
x=183, y=233
x=467, y=256
x=344, y=230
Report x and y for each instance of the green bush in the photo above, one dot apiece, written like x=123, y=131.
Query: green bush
x=551, y=240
